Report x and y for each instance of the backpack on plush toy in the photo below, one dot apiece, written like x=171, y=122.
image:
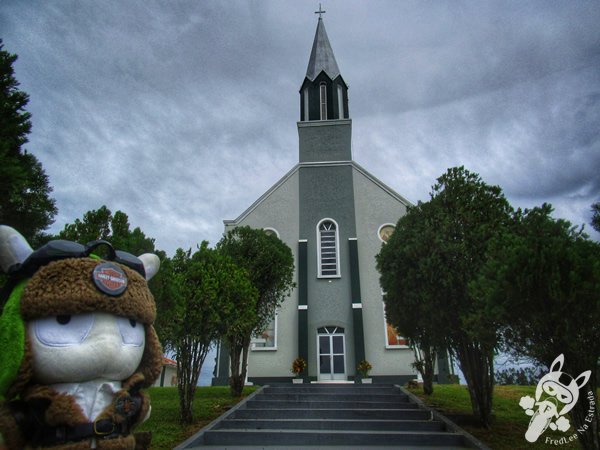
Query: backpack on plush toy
x=77, y=345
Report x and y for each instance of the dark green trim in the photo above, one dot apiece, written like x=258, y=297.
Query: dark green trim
x=302, y=273
x=354, y=271
x=303, y=336
x=303, y=300
x=162, y=376
x=222, y=362
x=359, y=334
x=443, y=368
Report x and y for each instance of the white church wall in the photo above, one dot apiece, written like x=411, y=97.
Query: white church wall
x=376, y=206
x=277, y=210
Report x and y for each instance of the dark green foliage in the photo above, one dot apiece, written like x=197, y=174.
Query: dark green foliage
x=269, y=263
x=25, y=202
x=205, y=291
x=519, y=376
x=102, y=224
x=270, y=266
x=405, y=262
x=596, y=216
x=542, y=282
x=437, y=249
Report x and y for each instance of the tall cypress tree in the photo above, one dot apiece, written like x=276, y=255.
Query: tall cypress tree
x=25, y=202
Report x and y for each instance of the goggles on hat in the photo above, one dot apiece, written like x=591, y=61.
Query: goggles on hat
x=62, y=249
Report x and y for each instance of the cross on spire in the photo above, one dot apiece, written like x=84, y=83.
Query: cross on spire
x=320, y=11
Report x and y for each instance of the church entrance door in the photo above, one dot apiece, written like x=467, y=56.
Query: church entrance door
x=331, y=347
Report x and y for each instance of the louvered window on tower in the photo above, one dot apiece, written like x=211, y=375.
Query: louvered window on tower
x=328, y=249
x=323, y=95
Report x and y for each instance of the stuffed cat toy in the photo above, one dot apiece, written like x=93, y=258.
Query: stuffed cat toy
x=77, y=345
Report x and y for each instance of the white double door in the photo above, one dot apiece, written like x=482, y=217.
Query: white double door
x=331, y=348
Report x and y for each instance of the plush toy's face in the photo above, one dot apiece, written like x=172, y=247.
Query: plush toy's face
x=85, y=347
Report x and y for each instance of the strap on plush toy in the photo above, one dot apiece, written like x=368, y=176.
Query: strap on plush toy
x=30, y=418
x=101, y=429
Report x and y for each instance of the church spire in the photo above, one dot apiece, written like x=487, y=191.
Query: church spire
x=324, y=93
x=321, y=56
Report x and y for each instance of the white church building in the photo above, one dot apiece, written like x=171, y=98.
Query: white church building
x=335, y=216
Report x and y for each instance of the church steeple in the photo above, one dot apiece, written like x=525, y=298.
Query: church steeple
x=321, y=56
x=324, y=93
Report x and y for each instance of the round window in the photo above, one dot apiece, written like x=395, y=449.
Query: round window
x=385, y=231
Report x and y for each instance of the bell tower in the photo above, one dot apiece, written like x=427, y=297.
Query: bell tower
x=324, y=128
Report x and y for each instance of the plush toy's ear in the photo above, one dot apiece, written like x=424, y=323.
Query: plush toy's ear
x=14, y=249
x=151, y=264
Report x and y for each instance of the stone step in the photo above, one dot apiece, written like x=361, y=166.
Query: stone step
x=261, y=403
x=318, y=416
x=331, y=424
x=316, y=437
x=358, y=414
x=385, y=398
x=343, y=389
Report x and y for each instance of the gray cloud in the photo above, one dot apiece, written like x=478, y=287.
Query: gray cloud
x=183, y=113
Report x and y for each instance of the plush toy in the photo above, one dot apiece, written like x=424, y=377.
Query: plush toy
x=77, y=345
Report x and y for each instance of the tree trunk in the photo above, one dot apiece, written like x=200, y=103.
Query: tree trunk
x=236, y=383
x=246, y=349
x=190, y=358
x=425, y=360
x=427, y=374
x=238, y=368
x=477, y=365
x=185, y=387
x=585, y=416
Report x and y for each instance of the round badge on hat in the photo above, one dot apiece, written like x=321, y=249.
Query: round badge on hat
x=110, y=278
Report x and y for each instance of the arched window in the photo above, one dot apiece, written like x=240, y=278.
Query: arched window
x=328, y=251
x=323, y=95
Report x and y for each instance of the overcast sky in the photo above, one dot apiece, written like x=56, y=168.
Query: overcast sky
x=183, y=113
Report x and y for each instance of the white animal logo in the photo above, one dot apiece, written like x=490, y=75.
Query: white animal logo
x=555, y=395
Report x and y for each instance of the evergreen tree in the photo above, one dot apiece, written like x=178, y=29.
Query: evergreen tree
x=102, y=224
x=270, y=266
x=25, y=202
x=208, y=292
x=541, y=283
x=433, y=261
x=596, y=216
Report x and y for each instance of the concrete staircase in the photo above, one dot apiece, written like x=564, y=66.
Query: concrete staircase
x=316, y=415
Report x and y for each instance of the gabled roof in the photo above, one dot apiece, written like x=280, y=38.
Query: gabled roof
x=297, y=167
x=321, y=57
x=169, y=362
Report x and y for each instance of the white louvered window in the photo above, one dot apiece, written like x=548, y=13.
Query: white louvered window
x=323, y=95
x=340, y=95
x=306, y=104
x=328, y=250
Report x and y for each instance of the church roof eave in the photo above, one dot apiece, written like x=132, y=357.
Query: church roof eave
x=296, y=168
x=339, y=77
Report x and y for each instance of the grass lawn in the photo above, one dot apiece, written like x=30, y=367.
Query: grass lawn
x=209, y=403
x=510, y=424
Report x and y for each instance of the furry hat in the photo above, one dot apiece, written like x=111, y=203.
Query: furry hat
x=58, y=284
